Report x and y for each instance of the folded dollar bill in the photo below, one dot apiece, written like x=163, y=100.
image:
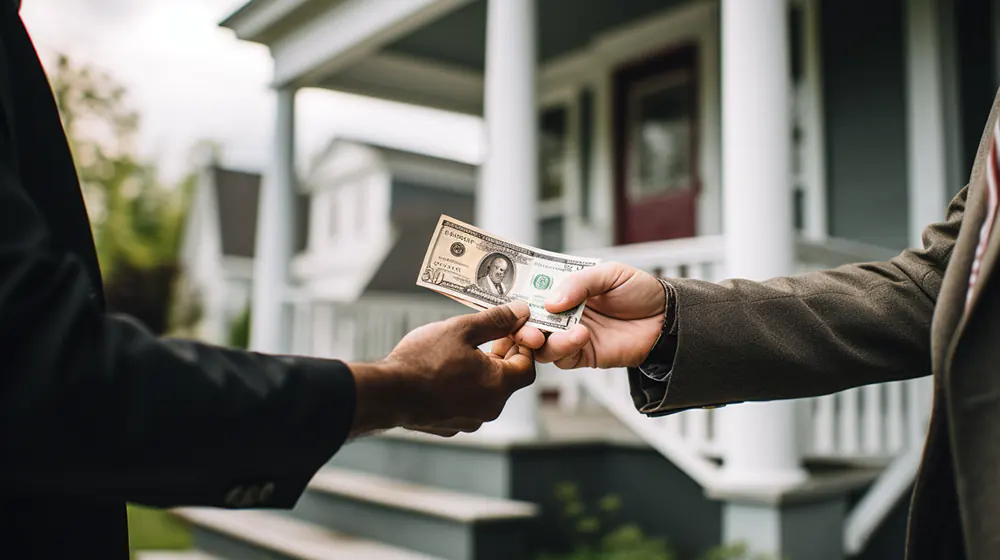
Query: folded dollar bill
x=482, y=270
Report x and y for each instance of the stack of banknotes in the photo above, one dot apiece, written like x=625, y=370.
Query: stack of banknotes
x=482, y=270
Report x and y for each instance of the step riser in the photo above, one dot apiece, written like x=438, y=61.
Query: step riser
x=229, y=548
x=444, y=538
x=482, y=472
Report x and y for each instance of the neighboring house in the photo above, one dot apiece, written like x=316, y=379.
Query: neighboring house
x=698, y=138
x=364, y=214
x=217, y=249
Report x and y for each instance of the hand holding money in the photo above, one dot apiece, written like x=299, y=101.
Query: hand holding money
x=482, y=270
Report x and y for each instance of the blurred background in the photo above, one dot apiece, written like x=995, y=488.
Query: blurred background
x=267, y=173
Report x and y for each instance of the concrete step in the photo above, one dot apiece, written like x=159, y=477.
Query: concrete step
x=485, y=466
x=259, y=534
x=444, y=523
x=174, y=555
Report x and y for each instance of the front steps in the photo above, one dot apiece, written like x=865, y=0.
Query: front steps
x=253, y=535
x=348, y=514
x=410, y=496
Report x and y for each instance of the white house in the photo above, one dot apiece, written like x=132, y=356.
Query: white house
x=217, y=248
x=699, y=138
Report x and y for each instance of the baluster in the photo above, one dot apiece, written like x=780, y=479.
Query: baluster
x=916, y=406
x=323, y=333
x=871, y=435
x=697, y=429
x=824, y=425
x=671, y=425
x=894, y=419
x=300, y=328
x=849, y=422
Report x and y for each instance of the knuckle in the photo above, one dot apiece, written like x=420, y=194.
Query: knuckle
x=501, y=317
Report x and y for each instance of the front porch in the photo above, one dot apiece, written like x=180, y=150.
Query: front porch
x=690, y=138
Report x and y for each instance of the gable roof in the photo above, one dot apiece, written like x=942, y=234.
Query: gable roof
x=237, y=194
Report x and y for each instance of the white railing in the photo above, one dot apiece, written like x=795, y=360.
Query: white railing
x=876, y=424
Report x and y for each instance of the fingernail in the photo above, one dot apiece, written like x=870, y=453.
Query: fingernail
x=520, y=309
x=556, y=299
x=578, y=336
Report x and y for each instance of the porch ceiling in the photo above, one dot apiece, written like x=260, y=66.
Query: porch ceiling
x=459, y=38
x=436, y=62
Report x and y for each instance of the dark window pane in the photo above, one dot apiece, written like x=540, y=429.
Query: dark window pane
x=552, y=156
x=550, y=234
x=796, y=30
x=798, y=208
x=586, y=140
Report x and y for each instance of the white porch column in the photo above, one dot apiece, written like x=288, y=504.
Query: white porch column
x=275, y=234
x=760, y=438
x=508, y=182
x=926, y=131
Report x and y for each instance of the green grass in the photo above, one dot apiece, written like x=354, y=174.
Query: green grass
x=156, y=529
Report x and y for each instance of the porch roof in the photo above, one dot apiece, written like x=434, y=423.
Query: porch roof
x=425, y=52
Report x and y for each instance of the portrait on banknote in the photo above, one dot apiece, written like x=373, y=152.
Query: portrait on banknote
x=496, y=274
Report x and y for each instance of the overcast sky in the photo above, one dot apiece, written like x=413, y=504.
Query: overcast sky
x=192, y=80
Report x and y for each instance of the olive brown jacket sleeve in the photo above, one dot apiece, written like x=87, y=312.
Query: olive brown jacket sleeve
x=805, y=335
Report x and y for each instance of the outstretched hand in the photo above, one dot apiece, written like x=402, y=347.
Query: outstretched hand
x=620, y=325
x=437, y=380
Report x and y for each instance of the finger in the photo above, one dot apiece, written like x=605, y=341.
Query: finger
x=587, y=283
x=530, y=337
x=563, y=344
x=435, y=431
x=513, y=351
x=501, y=346
x=519, y=368
x=571, y=361
x=493, y=323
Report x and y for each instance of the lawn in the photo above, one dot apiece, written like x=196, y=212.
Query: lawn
x=156, y=529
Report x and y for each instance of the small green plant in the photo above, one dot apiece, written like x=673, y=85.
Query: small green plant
x=738, y=551
x=239, y=330
x=598, y=534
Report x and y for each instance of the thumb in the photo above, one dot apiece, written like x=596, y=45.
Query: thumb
x=494, y=323
x=587, y=283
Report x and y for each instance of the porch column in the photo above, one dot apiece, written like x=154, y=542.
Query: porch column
x=275, y=234
x=925, y=106
x=761, y=451
x=507, y=196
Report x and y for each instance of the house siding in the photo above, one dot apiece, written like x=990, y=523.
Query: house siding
x=865, y=112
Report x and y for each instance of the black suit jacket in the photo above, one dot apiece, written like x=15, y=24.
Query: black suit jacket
x=94, y=410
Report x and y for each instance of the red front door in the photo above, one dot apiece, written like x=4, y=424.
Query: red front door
x=656, y=155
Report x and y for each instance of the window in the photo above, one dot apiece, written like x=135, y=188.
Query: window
x=661, y=116
x=553, y=146
x=550, y=234
x=552, y=159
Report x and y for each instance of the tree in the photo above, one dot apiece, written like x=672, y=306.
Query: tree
x=136, y=220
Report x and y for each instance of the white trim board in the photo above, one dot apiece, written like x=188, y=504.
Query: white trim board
x=347, y=32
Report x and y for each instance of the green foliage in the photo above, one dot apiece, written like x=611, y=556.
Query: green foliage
x=156, y=529
x=136, y=219
x=738, y=551
x=598, y=535
x=239, y=330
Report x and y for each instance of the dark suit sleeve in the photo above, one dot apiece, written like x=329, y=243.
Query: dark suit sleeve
x=804, y=335
x=95, y=405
